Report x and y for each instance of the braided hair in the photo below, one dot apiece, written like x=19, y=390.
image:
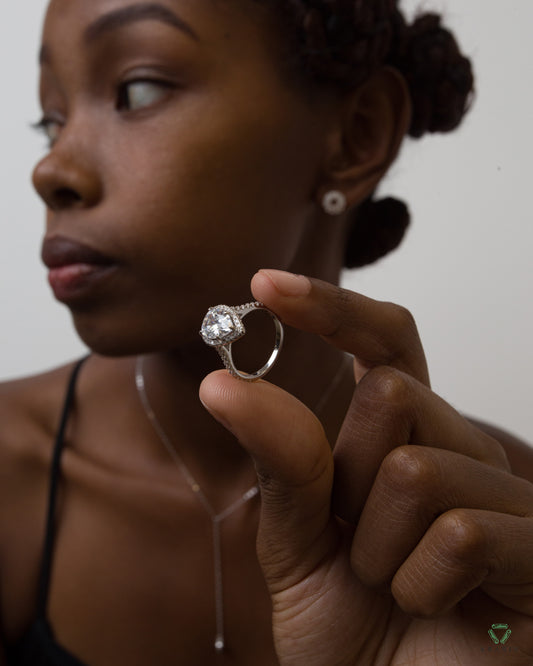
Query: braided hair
x=341, y=43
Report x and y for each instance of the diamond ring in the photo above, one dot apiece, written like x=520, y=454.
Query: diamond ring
x=223, y=325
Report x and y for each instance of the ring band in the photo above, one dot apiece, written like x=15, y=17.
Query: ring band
x=223, y=325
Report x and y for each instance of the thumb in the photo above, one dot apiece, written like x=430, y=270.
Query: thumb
x=295, y=471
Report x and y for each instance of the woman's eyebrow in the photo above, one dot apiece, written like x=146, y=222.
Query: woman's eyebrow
x=132, y=14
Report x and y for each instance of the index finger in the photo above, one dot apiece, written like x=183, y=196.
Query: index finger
x=375, y=332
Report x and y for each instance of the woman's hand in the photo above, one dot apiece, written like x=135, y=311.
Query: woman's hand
x=414, y=538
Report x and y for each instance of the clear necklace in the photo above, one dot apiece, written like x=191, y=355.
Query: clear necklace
x=216, y=518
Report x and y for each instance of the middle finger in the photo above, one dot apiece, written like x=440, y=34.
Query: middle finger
x=390, y=409
x=414, y=486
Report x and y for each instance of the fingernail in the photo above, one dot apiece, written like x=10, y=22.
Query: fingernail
x=288, y=284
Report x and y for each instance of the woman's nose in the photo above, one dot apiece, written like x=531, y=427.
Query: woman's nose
x=66, y=178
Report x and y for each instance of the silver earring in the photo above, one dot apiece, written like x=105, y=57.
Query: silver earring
x=334, y=202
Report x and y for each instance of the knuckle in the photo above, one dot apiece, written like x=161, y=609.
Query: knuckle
x=402, y=319
x=411, y=472
x=453, y=560
x=342, y=310
x=407, y=338
x=265, y=480
x=344, y=299
x=461, y=536
x=388, y=387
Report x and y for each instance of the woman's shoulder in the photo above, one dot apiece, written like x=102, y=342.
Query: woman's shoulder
x=30, y=410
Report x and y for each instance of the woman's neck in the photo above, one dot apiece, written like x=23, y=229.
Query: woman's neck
x=308, y=368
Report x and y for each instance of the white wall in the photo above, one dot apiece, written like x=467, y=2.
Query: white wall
x=35, y=332
x=464, y=271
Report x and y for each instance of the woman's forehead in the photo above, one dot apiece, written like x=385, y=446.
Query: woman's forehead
x=202, y=10
x=203, y=20
x=225, y=32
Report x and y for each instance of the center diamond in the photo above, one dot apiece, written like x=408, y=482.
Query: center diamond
x=220, y=326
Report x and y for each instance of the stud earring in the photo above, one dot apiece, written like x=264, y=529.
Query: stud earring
x=334, y=202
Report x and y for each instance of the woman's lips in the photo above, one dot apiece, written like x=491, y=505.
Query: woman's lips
x=58, y=251
x=73, y=282
x=74, y=268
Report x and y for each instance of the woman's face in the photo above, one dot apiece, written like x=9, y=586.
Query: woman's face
x=179, y=152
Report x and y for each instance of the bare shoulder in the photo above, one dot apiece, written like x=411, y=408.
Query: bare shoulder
x=29, y=413
x=519, y=452
x=29, y=410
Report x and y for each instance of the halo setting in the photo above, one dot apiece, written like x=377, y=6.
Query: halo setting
x=223, y=325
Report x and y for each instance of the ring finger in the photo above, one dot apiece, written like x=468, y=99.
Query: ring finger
x=415, y=485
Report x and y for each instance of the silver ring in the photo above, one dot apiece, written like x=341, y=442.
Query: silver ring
x=223, y=325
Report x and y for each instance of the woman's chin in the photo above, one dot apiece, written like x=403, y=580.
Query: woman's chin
x=118, y=339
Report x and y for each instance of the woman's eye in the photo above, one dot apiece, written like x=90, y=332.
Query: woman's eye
x=136, y=95
x=50, y=128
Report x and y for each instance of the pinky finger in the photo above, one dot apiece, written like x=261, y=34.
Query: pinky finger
x=462, y=550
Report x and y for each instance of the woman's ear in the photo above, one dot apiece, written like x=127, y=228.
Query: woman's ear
x=372, y=122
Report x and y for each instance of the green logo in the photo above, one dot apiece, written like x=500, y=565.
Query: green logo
x=504, y=637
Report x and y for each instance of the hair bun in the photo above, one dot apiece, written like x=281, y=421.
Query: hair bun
x=440, y=78
x=378, y=228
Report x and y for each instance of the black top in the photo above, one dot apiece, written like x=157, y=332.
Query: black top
x=38, y=646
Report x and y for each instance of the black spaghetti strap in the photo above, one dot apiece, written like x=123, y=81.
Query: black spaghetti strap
x=46, y=563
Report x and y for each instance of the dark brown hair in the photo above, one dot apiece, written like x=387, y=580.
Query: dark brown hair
x=343, y=42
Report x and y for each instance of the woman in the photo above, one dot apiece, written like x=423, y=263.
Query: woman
x=191, y=145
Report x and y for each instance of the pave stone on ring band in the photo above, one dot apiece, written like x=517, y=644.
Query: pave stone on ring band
x=223, y=325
